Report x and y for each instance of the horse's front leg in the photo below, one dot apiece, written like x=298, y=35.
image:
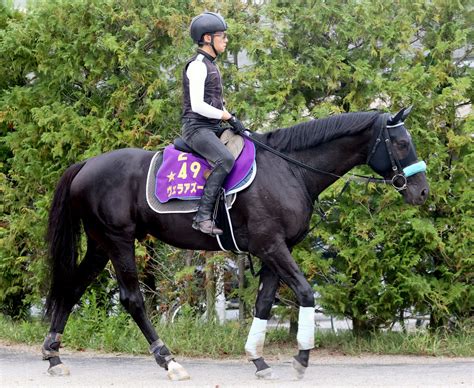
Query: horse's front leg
x=278, y=258
x=255, y=341
x=305, y=338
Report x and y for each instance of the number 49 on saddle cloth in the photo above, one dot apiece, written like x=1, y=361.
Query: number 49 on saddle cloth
x=183, y=175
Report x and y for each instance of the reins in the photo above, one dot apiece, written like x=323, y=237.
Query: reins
x=352, y=177
x=383, y=135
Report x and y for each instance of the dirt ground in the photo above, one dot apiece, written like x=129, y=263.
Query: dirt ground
x=21, y=366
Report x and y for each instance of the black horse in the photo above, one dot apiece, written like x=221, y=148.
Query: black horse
x=107, y=195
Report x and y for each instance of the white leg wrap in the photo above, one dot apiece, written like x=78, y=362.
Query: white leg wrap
x=256, y=339
x=305, y=336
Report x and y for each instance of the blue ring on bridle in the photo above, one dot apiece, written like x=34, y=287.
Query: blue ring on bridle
x=408, y=171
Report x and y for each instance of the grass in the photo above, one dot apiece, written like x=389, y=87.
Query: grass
x=456, y=344
x=189, y=336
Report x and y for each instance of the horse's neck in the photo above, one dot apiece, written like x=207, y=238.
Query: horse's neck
x=336, y=157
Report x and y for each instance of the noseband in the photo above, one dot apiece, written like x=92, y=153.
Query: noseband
x=399, y=180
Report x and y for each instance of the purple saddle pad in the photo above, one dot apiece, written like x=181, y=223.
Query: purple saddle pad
x=183, y=175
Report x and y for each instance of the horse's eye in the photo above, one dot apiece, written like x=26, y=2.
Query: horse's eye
x=403, y=144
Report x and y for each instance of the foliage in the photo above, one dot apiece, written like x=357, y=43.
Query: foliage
x=78, y=78
x=423, y=343
x=316, y=59
x=84, y=77
x=177, y=279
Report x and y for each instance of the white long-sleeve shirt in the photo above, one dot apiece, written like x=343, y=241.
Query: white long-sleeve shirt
x=197, y=73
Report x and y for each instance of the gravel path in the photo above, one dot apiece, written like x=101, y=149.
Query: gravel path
x=21, y=366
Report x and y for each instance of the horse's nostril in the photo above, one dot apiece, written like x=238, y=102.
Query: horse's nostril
x=424, y=193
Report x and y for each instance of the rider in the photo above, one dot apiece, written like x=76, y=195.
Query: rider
x=203, y=111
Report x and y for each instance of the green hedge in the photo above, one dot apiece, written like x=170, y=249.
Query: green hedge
x=86, y=76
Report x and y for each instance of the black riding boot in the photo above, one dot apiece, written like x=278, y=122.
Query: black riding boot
x=203, y=219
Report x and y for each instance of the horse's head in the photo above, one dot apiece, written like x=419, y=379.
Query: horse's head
x=396, y=158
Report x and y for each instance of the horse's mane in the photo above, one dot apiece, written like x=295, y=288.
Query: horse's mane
x=311, y=133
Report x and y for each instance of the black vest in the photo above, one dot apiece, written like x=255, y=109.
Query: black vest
x=212, y=88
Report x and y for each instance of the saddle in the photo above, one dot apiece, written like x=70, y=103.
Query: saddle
x=182, y=174
x=177, y=175
x=234, y=143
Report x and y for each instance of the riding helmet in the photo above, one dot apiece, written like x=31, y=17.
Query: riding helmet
x=206, y=23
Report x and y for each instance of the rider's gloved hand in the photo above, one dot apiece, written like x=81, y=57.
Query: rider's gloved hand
x=237, y=125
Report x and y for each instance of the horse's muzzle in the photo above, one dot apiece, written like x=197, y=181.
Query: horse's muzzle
x=417, y=190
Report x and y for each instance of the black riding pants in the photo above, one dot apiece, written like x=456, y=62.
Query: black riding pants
x=202, y=138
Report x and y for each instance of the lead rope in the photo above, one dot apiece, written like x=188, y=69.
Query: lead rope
x=252, y=270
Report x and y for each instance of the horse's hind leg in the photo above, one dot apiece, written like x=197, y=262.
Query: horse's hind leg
x=267, y=289
x=123, y=259
x=88, y=270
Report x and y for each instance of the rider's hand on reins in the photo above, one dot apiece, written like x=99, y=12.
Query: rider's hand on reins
x=237, y=125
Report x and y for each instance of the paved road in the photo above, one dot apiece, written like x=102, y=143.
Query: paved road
x=22, y=367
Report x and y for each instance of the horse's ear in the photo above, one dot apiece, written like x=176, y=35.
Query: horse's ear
x=406, y=112
x=400, y=116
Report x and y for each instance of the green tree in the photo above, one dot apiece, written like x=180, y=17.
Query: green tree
x=78, y=78
x=317, y=58
x=84, y=77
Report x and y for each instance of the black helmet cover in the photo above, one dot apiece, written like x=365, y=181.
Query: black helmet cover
x=206, y=23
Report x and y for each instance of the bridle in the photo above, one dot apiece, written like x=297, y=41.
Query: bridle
x=402, y=173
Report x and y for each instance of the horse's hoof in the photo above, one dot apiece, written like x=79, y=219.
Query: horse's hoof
x=299, y=369
x=176, y=372
x=265, y=374
x=59, y=370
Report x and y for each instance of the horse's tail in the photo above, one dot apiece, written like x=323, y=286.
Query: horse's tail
x=63, y=234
